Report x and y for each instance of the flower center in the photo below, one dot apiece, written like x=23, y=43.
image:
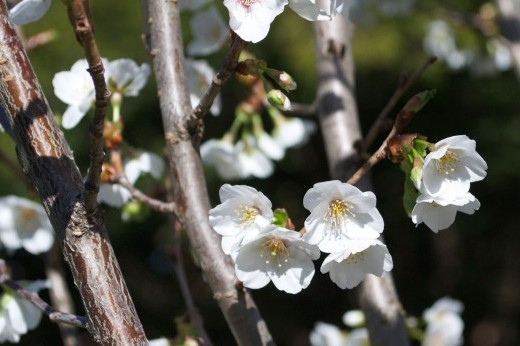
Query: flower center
x=245, y=215
x=28, y=214
x=247, y=3
x=275, y=249
x=356, y=258
x=448, y=163
x=337, y=216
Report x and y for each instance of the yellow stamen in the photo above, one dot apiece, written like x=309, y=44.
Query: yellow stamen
x=448, y=163
x=276, y=248
x=337, y=216
x=356, y=258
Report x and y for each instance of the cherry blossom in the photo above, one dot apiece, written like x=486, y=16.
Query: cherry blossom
x=450, y=168
x=24, y=225
x=243, y=213
x=126, y=77
x=325, y=334
x=114, y=194
x=340, y=212
x=27, y=11
x=221, y=154
x=209, y=32
x=438, y=216
x=76, y=89
x=444, y=324
x=200, y=75
x=348, y=267
x=278, y=255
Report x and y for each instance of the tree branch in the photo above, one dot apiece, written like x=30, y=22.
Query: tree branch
x=340, y=126
x=79, y=16
x=53, y=314
x=189, y=184
x=160, y=206
x=227, y=69
x=48, y=162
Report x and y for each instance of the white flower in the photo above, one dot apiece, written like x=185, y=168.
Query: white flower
x=278, y=255
x=270, y=147
x=309, y=10
x=209, y=31
x=251, y=19
x=437, y=216
x=200, y=75
x=222, y=155
x=253, y=161
x=243, y=213
x=17, y=315
x=440, y=41
x=24, y=224
x=451, y=167
x=325, y=334
x=340, y=212
x=159, y=342
x=126, y=77
x=444, y=324
x=292, y=132
x=115, y=195
x=354, y=318
x=76, y=89
x=347, y=268
x=358, y=337
x=27, y=11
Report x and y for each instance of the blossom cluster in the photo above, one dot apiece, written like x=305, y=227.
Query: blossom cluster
x=441, y=325
x=343, y=222
x=443, y=180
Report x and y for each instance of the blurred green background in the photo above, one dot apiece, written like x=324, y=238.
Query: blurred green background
x=475, y=261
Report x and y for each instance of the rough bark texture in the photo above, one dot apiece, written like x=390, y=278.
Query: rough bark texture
x=340, y=127
x=47, y=160
x=190, y=191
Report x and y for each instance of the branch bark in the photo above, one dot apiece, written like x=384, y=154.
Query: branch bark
x=189, y=184
x=340, y=127
x=47, y=160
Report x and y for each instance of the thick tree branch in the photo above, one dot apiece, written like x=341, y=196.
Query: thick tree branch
x=189, y=184
x=79, y=15
x=340, y=126
x=47, y=160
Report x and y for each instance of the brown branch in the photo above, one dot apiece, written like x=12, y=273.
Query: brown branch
x=189, y=184
x=227, y=69
x=48, y=162
x=402, y=120
x=53, y=314
x=403, y=87
x=155, y=204
x=300, y=110
x=79, y=16
x=340, y=127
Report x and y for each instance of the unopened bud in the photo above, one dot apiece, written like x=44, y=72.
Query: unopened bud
x=278, y=98
x=282, y=78
x=415, y=104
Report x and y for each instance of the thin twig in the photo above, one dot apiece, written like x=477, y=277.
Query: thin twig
x=155, y=204
x=300, y=110
x=404, y=117
x=79, y=15
x=53, y=314
x=227, y=69
x=404, y=85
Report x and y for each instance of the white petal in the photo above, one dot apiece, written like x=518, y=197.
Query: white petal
x=28, y=11
x=308, y=10
x=72, y=117
x=209, y=31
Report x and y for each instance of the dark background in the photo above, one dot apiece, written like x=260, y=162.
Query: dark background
x=475, y=260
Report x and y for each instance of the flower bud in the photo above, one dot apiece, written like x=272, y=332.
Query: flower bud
x=279, y=99
x=282, y=78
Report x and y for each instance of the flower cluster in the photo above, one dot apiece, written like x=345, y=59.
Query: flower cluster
x=343, y=222
x=262, y=251
x=443, y=179
x=251, y=19
x=24, y=225
x=75, y=87
x=441, y=325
